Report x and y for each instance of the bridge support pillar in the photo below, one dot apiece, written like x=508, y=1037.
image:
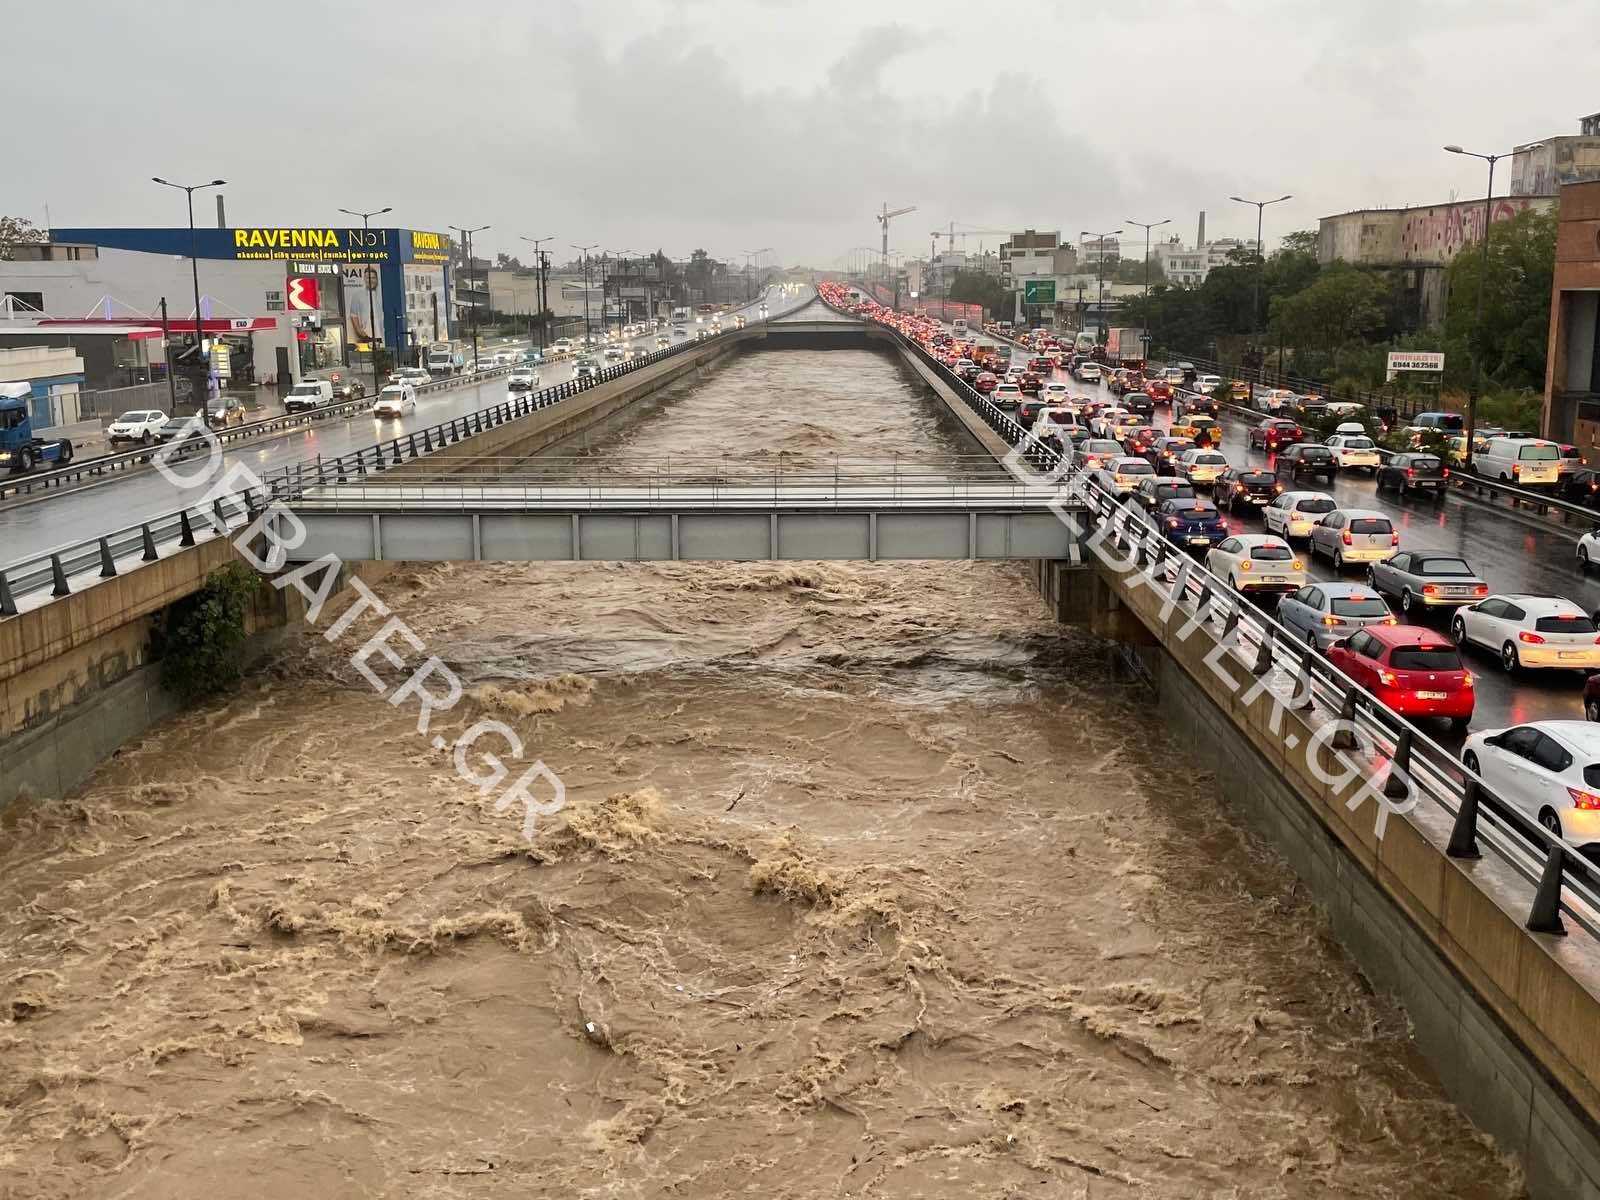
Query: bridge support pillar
x=1079, y=595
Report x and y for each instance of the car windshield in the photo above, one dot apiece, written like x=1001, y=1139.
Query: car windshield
x=1315, y=452
x=1195, y=514
x=1135, y=466
x=134, y=416
x=1538, y=454
x=1210, y=460
x=1271, y=553
x=1359, y=606
x=1424, y=658
x=1565, y=623
x=1318, y=505
x=1444, y=566
x=1175, y=491
x=1370, y=525
x=1425, y=464
x=1358, y=443
x=1257, y=477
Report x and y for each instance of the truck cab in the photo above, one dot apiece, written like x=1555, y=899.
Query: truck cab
x=19, y=448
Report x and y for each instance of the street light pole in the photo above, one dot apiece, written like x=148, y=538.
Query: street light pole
x=372, y=310
x=466, y=240
x=585, y=251
x=1100, y=270
x=189, y=189
x=1477, y=320
x=1147, y=226
x=1261, y=261
x=538, y=282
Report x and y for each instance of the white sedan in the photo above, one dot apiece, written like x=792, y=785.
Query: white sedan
x=1257, y=562
x=1529, y=631
x=1353, y=452
x=1548, y=769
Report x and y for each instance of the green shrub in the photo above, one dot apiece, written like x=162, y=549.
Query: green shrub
x=201, y=639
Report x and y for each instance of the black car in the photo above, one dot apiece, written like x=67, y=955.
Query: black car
x=1138, y=402
x=1028, y=410
x=1154, y=491
x=223, y=411
x=1413, y=473
x=1195, y=402
x=1163, y=453
x=1306, y=458
x=1582, y=487
x=1247, y=488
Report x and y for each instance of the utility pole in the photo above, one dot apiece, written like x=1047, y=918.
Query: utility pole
x=372, y=311
x=189, y=189
x=1147, y=227
x=1261, y=262
x=166, y=343
x=538, y=285
x=1100, y=272
x=466, y=238
x=584, y=250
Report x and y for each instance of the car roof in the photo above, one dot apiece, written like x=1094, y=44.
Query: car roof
x=1538, y=604
x=1307, y=495
x=1409, y=635
x=1334, y=587
x=1585, y=735
x=1363, y=513
x=1262, y=539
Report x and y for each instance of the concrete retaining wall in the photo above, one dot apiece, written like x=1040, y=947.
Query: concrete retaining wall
x=1507, y=1018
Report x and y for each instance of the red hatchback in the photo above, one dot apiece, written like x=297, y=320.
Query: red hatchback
x=1159, y=390
x=986, y=382
x=1414, y=670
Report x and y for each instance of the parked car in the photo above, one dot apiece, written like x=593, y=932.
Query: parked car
x=1354, y=452
x=1323, y=613
x=1408, y=473
x=141, y=425
x=395, y=400
x=1274, y=432
x=1549, y=770
x=1293, y=514
x=1257, y=562
x=1306, y=458
x=1191, y=524
x=1155, y=489
x=1208, y=385
x=1529, y=631
x=1424, y=579
x=1413, y=670
x=1354, y=535
x=1246, y=487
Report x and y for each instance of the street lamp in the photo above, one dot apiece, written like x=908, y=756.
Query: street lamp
x=1147, y=226
x=466, y=243
x=538, y=281
x=189, y=189
x=1100, y=270
x=584, y=250
x=1477, y=320
x=372, y=311
x=1261, y=262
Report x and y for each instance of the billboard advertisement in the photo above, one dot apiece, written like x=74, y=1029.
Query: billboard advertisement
x=361, y=316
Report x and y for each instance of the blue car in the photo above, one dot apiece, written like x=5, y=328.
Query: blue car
x=1191, y=524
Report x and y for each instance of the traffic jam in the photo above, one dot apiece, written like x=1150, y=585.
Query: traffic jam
x=1258, y=506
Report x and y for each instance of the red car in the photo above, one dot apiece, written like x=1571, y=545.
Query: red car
x=1275, y=432
x=1041, y=364
x=1159, y=390
x=986, y=382
x=1412, y=669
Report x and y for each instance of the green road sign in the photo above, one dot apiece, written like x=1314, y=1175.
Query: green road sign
x=1038, y=291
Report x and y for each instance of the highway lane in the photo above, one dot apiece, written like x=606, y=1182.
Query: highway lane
x=1512, y=552
x=37, y=527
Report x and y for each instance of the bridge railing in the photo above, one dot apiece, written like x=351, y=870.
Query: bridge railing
x=1562, y=881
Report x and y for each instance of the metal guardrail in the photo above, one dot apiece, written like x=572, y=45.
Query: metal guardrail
x=54, y=569
x=1563, y=881
x=21, y=485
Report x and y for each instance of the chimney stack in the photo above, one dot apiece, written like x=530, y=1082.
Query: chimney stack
x=222, y=216
x=1199, y=238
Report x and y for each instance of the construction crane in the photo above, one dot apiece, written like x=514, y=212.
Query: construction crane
x=950, y=235
x=884, y=218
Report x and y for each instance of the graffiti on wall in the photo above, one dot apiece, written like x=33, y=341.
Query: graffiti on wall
x=1435, y=235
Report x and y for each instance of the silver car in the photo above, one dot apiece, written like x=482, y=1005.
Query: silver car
x=1424, y=579
x=1320, y=614
x=1354, y=535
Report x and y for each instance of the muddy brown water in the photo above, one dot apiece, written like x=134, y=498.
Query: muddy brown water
x=871, y=881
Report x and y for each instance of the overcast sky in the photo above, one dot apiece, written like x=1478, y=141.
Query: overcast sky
x=737, y=124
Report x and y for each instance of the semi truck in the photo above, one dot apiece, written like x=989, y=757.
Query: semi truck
x=19, y=448
x=1125, y=347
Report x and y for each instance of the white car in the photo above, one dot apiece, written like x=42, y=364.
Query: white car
x=1354, y=535
x=139, y=425
x=1293, y=514
x=1257, y=562
x=1089, y=372
x=1104, y=421
x=1548, y=769
x=396, y=400
x=523, y=380
x=1122, y=475
x=1589, y=549
x=1529, y=631
x=1207, y=384
x=615, y=351
x=1353, y=451
x=1200, y=467
x=1055, y=392
x=562, y=346
x=1006, y=395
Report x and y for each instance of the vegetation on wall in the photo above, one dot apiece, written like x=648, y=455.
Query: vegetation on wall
x=201, y=638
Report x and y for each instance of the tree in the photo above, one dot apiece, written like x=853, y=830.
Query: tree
x=1131, y=270
x=16, y=231
x=974, y=287
x=1301, y=241
x=1345, y=304
x=1514, y=334
x=508, y=262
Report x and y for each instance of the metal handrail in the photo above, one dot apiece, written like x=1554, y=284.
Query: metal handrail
x=55, y=568
x=1563, y=881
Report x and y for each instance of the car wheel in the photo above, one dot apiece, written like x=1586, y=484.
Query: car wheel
x=1550, y=821
x=1372, y=579
x=1469, y=760
x=1591, y=710
x=1509, y=661
x=1458, y=631
x=144, y=439
x=1405, y=602
x=1583, y=558
x=1311, y=641
x=1338, y=561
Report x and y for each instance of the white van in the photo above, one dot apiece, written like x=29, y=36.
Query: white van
x=959, y=327
x=308, y=394
x=1527, y=462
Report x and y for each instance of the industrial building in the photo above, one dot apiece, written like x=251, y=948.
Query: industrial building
x=1572, y=373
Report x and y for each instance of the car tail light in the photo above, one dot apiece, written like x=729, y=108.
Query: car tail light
x=1447, y=473
x=1348, y=540
x=1388, y=678
x=1238, y=487
x=1330, y=622
x=1394, y=537
x=1466, y=679
x=1582, y=799
x=1516, y=468
x=1173, y=522
x=1410, y=472
x=1391, y=620
x=1298, y=565
x=1481, y=590
x=1532, y=639
x=1245, y=565
x=1429, y=589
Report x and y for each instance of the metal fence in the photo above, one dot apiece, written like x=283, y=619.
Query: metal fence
x=109, y=403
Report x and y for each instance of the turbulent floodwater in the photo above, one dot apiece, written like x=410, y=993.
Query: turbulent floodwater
x=871, y=882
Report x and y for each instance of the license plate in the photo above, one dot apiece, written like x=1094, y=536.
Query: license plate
x=1256, y=499
x=1457, y=591
x=1274, y=579
x=1433, y=695
x=1199, y=541
x=1574, y=653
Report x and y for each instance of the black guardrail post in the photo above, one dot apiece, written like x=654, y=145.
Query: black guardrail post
x=8, y=602
x=1344, y=736
x=1396, y=786
x=148, y=541
x=186, y=535
x=1464, y=833
x=59, y=576
x=1545, y=916
x=108, y=565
